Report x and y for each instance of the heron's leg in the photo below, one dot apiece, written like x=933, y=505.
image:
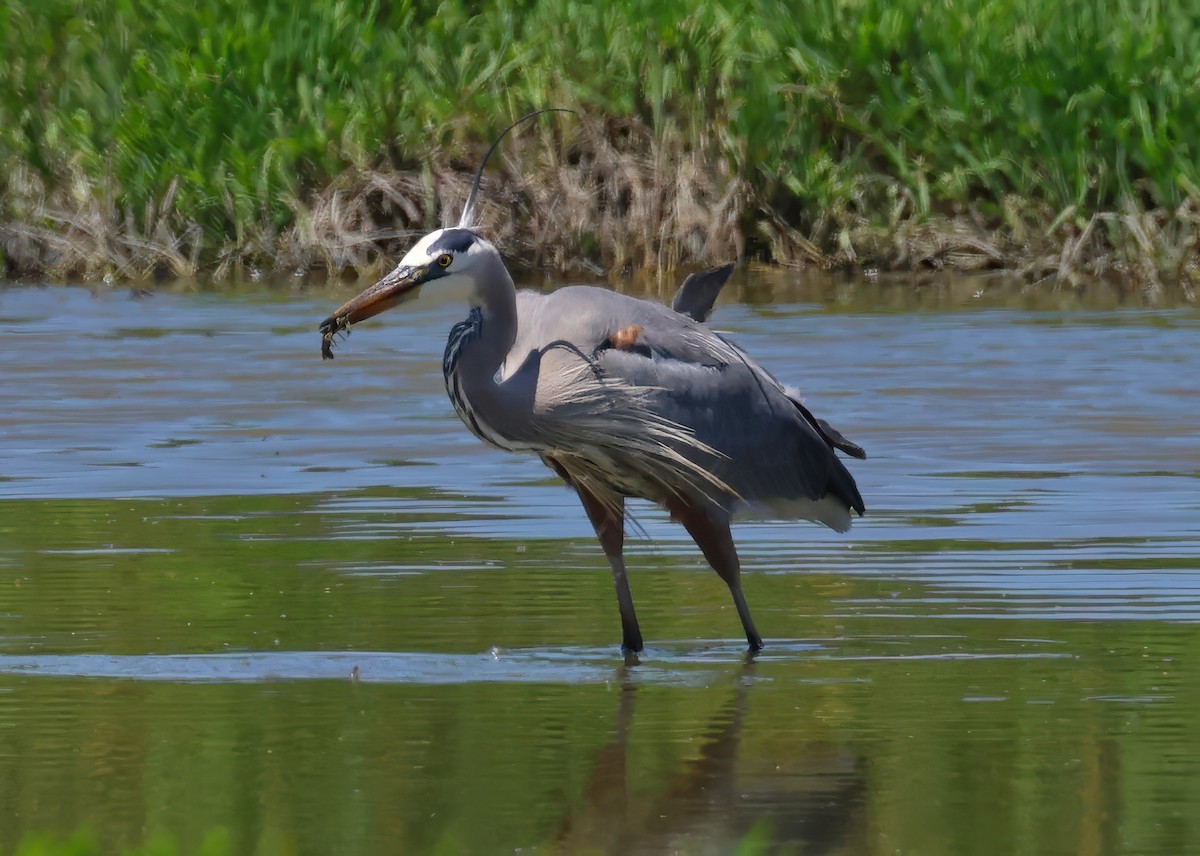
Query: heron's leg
x=609, y=524
x=715, y=541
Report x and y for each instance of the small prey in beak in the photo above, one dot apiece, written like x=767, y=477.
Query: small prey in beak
x=392, y=289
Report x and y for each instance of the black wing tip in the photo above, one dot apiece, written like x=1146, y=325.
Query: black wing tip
x=848, y=491
x=851, y=448
x=832, y=436
x=697, y=294
x=720, y=273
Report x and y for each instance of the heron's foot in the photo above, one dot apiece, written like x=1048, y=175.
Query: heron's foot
x=632, y=648
x=631, y=634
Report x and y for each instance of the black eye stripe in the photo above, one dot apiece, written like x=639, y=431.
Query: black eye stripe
x=454, y=241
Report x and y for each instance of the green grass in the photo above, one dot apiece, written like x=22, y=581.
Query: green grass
x=217, y=843
x=83, y=843
x=210, y=126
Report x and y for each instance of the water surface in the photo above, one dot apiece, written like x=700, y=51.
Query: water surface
x=244, y=589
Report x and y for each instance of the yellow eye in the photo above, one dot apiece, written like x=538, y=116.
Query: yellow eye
x=444, y=260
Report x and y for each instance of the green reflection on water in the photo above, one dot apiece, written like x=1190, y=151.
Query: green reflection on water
x=859, y=731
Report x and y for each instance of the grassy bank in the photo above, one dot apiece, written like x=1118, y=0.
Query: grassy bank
x=1058, y=139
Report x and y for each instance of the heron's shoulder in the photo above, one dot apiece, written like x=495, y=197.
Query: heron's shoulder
x=592, y=299
x=586, y=314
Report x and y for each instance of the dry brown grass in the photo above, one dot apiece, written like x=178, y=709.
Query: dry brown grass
x=77, y=232
x=613, y=200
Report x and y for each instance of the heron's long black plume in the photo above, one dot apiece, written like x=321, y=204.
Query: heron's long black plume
x=469, y=209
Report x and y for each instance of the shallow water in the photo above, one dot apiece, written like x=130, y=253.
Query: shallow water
x=241, y=588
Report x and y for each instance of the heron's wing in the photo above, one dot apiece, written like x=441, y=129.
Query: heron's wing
x=696, y=298
x=660, y=335
x=698, y=293
x=746, y=429
x=767, y=451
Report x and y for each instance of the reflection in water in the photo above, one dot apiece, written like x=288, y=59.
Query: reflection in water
x=809, y=802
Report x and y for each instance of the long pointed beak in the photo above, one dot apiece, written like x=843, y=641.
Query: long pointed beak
x=381, y=296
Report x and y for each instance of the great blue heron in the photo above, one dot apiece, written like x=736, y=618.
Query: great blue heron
x=624, y=397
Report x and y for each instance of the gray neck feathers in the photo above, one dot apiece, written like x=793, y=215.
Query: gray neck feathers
x=496, y=298
x=505, y=407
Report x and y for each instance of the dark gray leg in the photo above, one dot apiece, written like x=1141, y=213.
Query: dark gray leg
x=609, y=524
x=716, y=543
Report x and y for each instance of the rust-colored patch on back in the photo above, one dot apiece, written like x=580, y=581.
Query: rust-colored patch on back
x=626, y=338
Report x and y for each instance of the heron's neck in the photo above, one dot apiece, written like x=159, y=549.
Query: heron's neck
x=497, y=303
x=492, y=410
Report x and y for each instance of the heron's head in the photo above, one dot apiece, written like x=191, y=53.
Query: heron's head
x=444, y=255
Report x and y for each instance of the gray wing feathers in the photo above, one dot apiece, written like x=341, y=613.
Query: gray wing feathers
x=767, y=452
x=747, y=431
x=696, y=297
